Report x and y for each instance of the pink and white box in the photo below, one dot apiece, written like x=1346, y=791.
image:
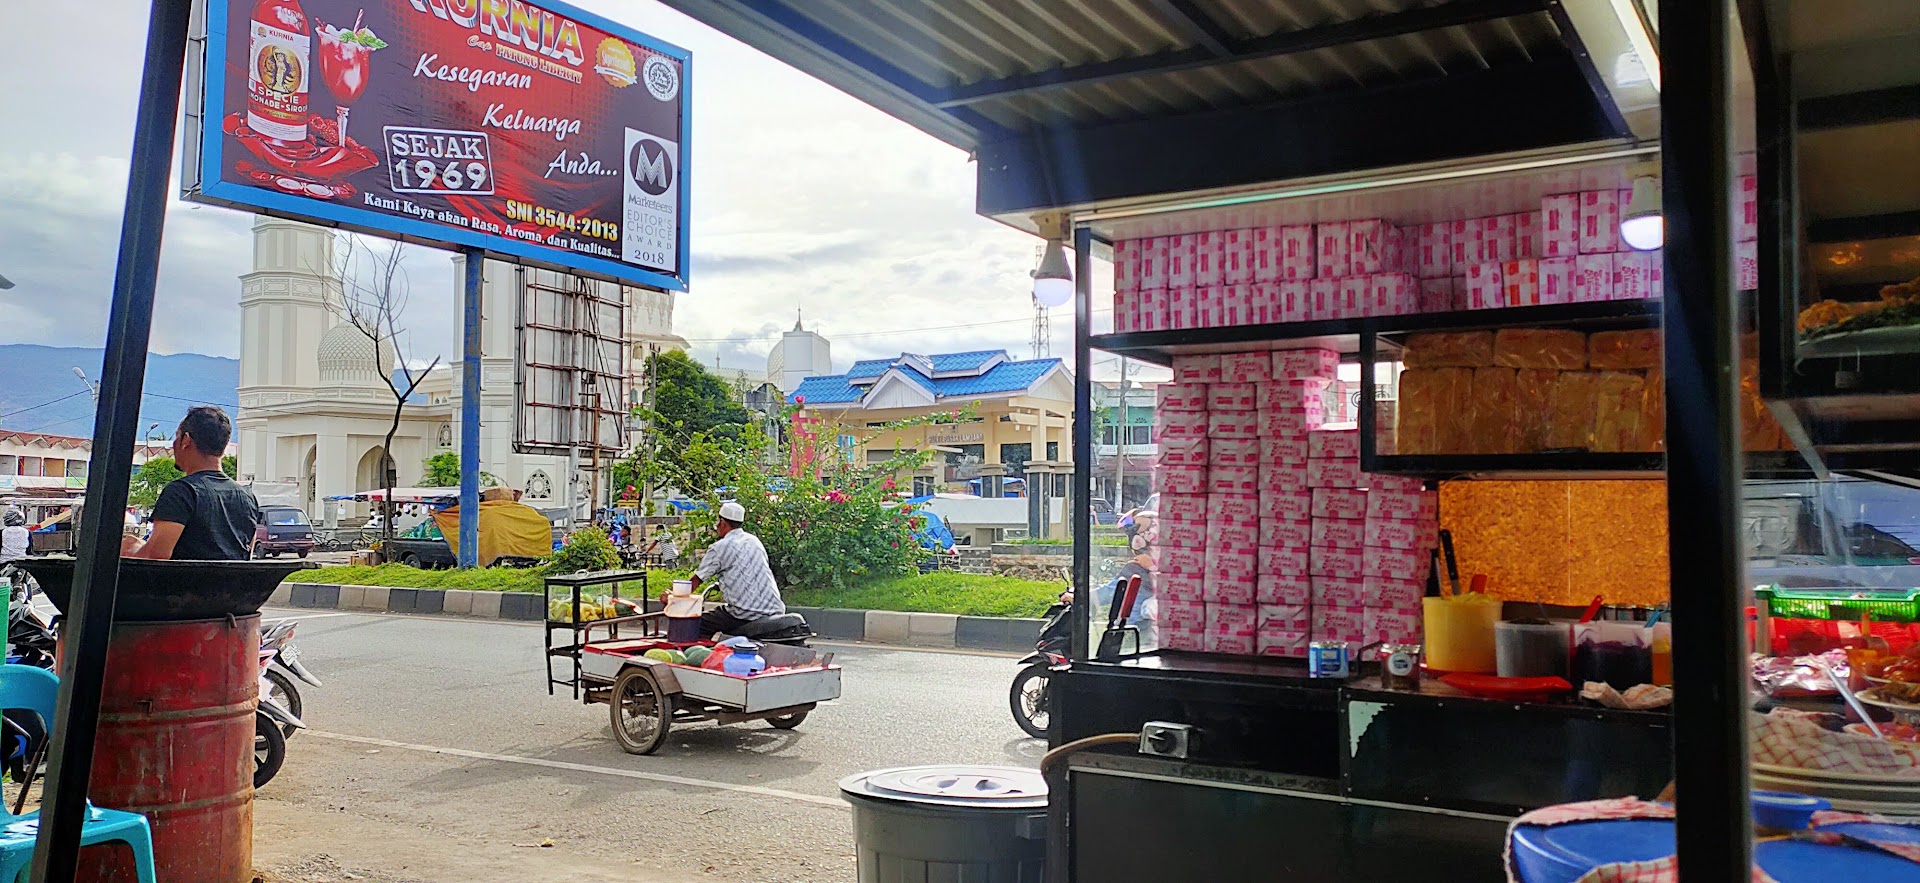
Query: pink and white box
x=1233, y=424
x=1230, y=396
x=1468, y=240
x=1182, y=533
x=1402, y=594
x=1283, y=532
x=1290, y=505
x=1228, y=565
x=1333, y=251
x=1151, y=312
x=1345, y=533
x=1246, y=367
x=1486, y=287
x=1180, y=424
x=1184, y=636
x=1291, y=301
x=1639, y=274
x=1185, y=452
x=1236, y=257
x=1335, y=472
x=1237, y=643
x=1232, y=617
x=1182, y=253
x=1126, y=265
x=1391, y=294
x=1746, y=218
x=1374, y=246
x=1191, y=506
x=1284, y=618
x=1190, y=561
x=1233, y=480
x=1526, y=235
x=1339, y=503
x=1285, y=561
x=1306, y=364
x=1349, y=299
x=1330, y=561
x=1323, y=298
x=1520, y=282
x=1240, y=306
x=1560, y=225
x=1400, y=483
x=1263, y=254
x=1208, y=249
x=1333, y=443
x=1338, y=591
x=1283, y=588
x=1182, y=587
x=1395, y=564
x=1183, y=479
x=1184, y=307
x=1499, y=238
x=1278, y=478
x=1593, y=278
x=1383, y=503
x=1298, y=258
x=1291, y=422
x=1599, y=221
x=1746, y=265
x=1196, y=369
x=1213, y=303
x=1233, y=452
x=1126, y=310
x=1182, y=611
x=1282, y=395
x=1284, y=450
x=1436, y=295
x=1236, y=588
x=1181, y=396
x=1234, y=507
x=1339, y=623
x=1279, y=643
x=1433, y=257
x=1233, y=533
x=1385, y=622
x=1556, y=280
x=1401, y=533
x=1152, y=262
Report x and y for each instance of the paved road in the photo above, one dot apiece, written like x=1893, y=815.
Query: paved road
x=437, y=755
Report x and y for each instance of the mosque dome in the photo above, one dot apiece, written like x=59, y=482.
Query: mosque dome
x=348, y=358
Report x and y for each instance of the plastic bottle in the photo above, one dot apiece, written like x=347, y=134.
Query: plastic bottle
x=744, y=660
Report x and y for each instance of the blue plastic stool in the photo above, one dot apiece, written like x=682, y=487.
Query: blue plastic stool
x=27, y=688
x=1563, y=853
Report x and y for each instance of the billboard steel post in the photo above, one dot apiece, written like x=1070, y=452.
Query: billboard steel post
x=476, y=264
x=116, y=422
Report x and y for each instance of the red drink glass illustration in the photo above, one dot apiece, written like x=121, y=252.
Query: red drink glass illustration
x=345, y=60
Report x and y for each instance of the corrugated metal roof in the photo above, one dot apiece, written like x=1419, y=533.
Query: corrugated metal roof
x=826, y=391
x=964, y=361
x=869, y=368
x=1003, y=378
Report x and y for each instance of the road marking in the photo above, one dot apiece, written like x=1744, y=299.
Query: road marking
x=585, y=768
x=307, y=617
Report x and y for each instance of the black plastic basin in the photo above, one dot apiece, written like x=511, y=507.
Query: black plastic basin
x=173, y=591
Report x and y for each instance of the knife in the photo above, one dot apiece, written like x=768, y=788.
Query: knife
x=1453, y=566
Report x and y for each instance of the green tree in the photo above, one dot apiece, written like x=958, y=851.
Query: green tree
x=443, y=470
x=144, y=488
x=691, y=408
x=230, y=464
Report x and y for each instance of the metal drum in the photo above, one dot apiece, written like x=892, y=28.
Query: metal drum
x=983, y=824
x=175, y=744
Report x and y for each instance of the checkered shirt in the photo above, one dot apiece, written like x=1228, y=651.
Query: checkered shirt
x=739, y=562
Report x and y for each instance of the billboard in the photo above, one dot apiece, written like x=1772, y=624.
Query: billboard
x=534, y=131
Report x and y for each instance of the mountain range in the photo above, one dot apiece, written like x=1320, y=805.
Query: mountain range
x=39, y=392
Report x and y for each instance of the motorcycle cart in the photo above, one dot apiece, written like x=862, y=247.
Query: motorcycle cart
x=646, y=697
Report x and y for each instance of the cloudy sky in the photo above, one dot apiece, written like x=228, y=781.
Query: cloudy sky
x=803, y=198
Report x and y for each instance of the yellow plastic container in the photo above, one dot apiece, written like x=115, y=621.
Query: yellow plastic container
x=1459, y=633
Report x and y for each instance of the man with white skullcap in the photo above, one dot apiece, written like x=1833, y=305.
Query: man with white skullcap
x=739, y=562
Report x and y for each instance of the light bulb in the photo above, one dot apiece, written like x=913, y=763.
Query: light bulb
x=1053, y=279
x=1053, y=292
x=1642, y=225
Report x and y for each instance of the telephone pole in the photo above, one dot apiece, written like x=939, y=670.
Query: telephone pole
x=1120, y=449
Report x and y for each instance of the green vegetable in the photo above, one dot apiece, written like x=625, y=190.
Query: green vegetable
x=697, y=654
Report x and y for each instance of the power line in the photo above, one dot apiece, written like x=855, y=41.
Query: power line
x=896, y=331
x=44, y=404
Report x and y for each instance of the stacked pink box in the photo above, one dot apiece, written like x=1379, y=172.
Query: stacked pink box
x=1233, y=535
x=1401, y=531
x=1337, y=535
x=1291, y=408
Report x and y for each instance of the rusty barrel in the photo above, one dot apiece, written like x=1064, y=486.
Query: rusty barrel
x=175, y=740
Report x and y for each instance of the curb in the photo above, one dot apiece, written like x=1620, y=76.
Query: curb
x=938, y=630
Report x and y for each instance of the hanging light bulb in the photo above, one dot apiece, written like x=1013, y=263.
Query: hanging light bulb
x=1053, y=279
x=1642, y=224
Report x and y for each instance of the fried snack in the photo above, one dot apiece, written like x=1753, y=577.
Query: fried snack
x=1573, y=405
x=1532, y=408
x=1617, y=402
x=1624, y=350
x=1492, y=428
x=1540, y=348
x=1465, y=349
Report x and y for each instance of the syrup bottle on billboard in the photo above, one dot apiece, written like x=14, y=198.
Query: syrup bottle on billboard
x=279, y=71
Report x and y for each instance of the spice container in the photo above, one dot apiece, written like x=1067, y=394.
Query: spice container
x=1531, y=648
x=1619, y=653
x=1400, y=667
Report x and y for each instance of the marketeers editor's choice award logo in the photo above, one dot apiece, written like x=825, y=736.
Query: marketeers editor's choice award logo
x=663, y=79
x=651, y=205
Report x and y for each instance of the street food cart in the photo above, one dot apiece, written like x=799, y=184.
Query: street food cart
x=1375, y=199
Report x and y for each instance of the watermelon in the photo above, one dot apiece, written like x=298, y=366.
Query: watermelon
x=697, y=654
x=660, y=654
x=676, y=657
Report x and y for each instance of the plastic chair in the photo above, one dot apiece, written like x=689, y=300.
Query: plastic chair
x=32, y=689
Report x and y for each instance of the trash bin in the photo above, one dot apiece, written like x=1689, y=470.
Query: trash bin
x=982, y=824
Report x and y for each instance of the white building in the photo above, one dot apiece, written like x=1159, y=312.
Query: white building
x=798, y=355
x=314, y=411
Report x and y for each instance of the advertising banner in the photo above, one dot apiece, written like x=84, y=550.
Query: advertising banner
x=535, y=131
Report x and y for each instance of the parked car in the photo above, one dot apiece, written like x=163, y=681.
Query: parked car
x=282, y=529
x=1103, y=512
x=1834, y=534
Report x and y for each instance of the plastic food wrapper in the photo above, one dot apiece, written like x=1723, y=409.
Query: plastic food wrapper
x=1177, y=451
x=1283, y=588
x=1339, y=591
x=1184, y=479
x=1443, y=349
x=1285, y=561
x=1799, y=676
x=1339, y=623
x=1339, y=503
x=1641, y=697
x=1290, y=505
x=1202, y=368
x=1520, y=281
x=1333, y=443
x=1560, y=225
x=1501, y=241
x=1788, y=737
x=1403, y=483
x=1575, y=397
x=1555, y=348
x=1491, y=427
x=1618, y=401
x=1416, y=534
x=1126, y=308
x=1233, y=424
x=1413, y=505
x=1283, y=618
x=1284, y=477
x=1234, y=507
x=1151, y=312
x=1263, y=254
x=1333, y=251
x=1183, y=309
x=1233, y=479
x=1230, y=396
x=1486, y=287
x=1276, y=451
x=1593, y=278
x=1600, y=221
x=1181, y=424
x=1395, y=564
x=1279, y=643
x=1293, y=301
x=1238, y=368
x=1232, y=452
x=1323, y=294
x=1624, y=350
x=1222, y=617
x=1349, y=301
x=1239, y=306
x=1345, y=533
x=1181, y=396
x=1328, y=561
x=1285, y=532
x=1465, y=240
x=1332, y=473
x=1395, y=593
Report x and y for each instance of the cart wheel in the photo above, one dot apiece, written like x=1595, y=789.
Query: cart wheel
x=787, y=721
x=641, y=712
x=1029, y=699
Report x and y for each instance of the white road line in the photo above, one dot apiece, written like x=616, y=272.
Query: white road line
x=585, y=768
x=307, y=616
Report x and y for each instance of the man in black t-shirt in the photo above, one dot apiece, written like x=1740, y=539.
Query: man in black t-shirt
x=204, y=515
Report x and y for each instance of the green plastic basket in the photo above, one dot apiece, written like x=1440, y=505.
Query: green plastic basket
x=1878, y=605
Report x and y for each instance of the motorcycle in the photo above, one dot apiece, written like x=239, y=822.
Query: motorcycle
x=279, y=686
x=269, y=719
x=1031, y=694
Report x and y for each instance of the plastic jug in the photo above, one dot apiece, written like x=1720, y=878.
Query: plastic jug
x=682, y=608
x=745, y=660
x=1459, y=632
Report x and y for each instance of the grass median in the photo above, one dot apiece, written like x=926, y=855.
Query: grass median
x=966, y=594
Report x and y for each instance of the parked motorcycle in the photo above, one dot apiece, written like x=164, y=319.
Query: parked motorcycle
x=285, y=668
x=270, y=718
x=1031, y=693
